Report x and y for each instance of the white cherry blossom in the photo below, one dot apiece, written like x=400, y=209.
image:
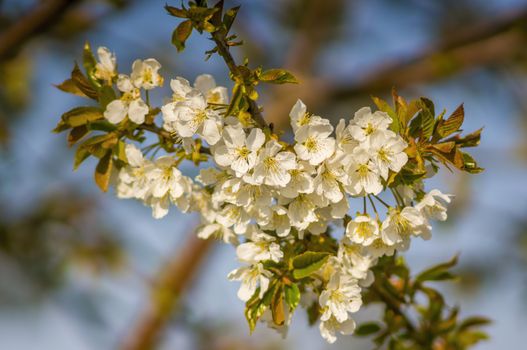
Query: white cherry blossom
x=300, y=118
x=105, y=69
x=329, y=328
x=133, y=178
x=145, y=74
x=273, y=165
x=365, y=123
x=313, y=143
x=252, y=277
x=129, y=104
x=387, y=153
x=238, y=151
x=433, y=205
x=401, y=224
x=363, y=175
x=206, y=84
x=362, y=230
x=341, y=296
x=262, y=247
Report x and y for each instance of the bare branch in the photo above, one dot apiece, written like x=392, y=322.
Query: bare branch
x=175, y=277
x=38, y=20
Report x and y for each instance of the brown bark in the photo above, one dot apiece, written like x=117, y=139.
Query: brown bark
x=174, y=279
x=42, y=16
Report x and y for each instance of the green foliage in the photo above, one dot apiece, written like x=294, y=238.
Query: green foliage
x=438, y=326
x=292, y=295
x=307, y=263
x=181, y=34
x=431, y=139
x=278, y=76
x=366, y=329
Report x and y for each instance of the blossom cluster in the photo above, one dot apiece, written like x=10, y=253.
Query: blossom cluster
x=263, y=194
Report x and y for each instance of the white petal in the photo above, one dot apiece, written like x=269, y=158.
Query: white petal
x=210, y=132
x=204, y=83
x=255, y=140
x=115, y=111
x=137, y=111
x=134, y=155
x=223, y=156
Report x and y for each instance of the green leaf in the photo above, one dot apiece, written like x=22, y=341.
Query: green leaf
x=98, y=145
x=292, y=296
x=88, y=60
x=278, y=76
x=416, y=125
x=475, y=321
x=176, y=12
x=120, y=151
x=76, y=134
x=422, y=125
x=366, y=329
x=313, y=313
x=70, y=87
x=469, y=164
x=181, y=34
x=229, y=17
x=81, y=154
x=255, y=307
x=307, y=263
x=81, y=115
x=429, y=104
x=469, y=140
x=103, y=171
x=439, y=272
x=105, y=95
x=383, y=106
x=452, y=124
x=277, y=306
x=101, y=125
x=83, y=83
x=467, y=339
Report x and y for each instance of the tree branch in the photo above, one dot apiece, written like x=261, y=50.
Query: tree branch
x=224, y=52
x=480, y=44
x=394, y=306
x=35, y=22
x=174, y=278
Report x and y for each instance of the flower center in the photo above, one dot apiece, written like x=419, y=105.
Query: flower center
x=383, y=155
x=305, y=119
x=243, y=152
x=363, y=230
x=363, y=170
x=311, y=144
x=199, y=118
x=271, y=163
x=369, y=129
x=402, y=224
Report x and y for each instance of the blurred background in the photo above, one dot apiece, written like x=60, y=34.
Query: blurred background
x=83, y=270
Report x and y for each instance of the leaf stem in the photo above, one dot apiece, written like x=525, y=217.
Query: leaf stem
x=394, y=306
x=383, y=202
x=373, y=205
x=223, y=50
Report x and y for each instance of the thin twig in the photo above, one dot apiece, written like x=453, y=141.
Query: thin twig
x=394, y=306
x=224, y=52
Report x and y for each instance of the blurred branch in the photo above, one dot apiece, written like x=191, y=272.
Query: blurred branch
x=174, y=278
x=315, y=29
x=34, y=22
x=478, y=45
